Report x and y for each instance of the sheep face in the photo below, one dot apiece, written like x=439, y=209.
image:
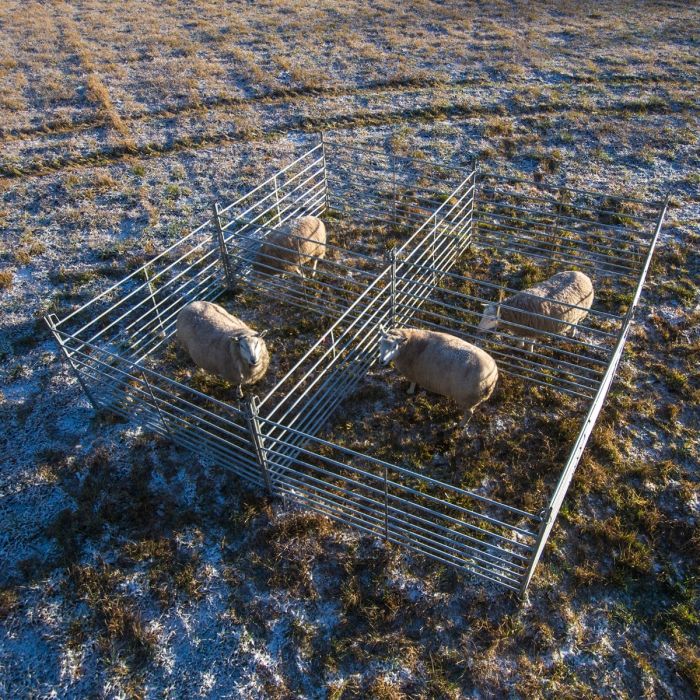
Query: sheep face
x=390, y=344
x=250, y=347
x=489, y=319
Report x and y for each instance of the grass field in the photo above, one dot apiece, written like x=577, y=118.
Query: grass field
x=133, y=569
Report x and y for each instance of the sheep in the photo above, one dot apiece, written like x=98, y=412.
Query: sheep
x=441, y=363
x=288, y=249
x=548, y=298
x=222, y=344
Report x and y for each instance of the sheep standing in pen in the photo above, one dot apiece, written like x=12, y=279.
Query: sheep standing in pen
x=550, y=299
x=442, y=364
x=222, y=344
x=288, y=249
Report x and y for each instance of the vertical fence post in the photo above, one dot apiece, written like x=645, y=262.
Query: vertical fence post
x=472, y=224
x=386, y=504
x=556, y=243
x=395, y=195
x=333, y=346
x=432, y=252
x=153, y=299
x=277, y=201
x=325, y=171
x=51, y=321
x=392, y=260
x=155, y=403
x=547, y=516
x=257, y=439
x=219, y=239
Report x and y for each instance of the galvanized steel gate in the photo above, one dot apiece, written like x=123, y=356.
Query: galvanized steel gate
x=418, y=218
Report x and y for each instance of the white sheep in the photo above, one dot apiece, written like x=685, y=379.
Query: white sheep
x=288, y=249
x=222, y=344
x=442, y=364
x=548, y=298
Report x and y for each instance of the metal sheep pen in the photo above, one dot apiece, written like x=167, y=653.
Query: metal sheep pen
x=401, y=230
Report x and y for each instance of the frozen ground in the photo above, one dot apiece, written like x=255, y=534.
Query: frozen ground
x=130, y=568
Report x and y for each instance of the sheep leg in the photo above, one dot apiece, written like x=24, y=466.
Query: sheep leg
x=464, y=423
x=239, y=391
x=313, y=268
x=412, y=388
x=530, y=346
x=300, y=271
x=574, y=331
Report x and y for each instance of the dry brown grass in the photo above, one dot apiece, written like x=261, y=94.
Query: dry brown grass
x=6, y=279
x=96, y=88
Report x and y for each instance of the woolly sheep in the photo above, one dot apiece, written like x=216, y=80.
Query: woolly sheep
x=222, y=344
x=441, y=363
x=545, y=298
x=288, y=249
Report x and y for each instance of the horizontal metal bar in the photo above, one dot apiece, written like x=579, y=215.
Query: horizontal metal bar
x=160, y=377
x=210, y=293
x=507, y=244
x=327, y=334
x=144, y=288
x=573, y=248
x=196, y=409
x=401, y=487
x=492, y=285
x=507, y=351
x=402, y=470
x=422, y=161
x=504, y=305
x=547, y=237
x=485, y=174
x=438, y=213
x=345, y=511
x=136, y=272
x=305, y=203
x=189, y=281
x=271, y=196
x=554, y=380
x=478, y=334
x=632, y=235
x=334, y=349
x=270, y=179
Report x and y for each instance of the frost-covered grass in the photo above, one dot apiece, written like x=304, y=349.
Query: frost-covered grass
x=132, y=568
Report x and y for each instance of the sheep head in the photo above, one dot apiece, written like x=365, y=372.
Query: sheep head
x=490, y=317
x=251, y=348
x=390, y=343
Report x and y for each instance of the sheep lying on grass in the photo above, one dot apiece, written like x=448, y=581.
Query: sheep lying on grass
x=288, y=249
x=548, y=298
x=441, y=363
x=222, y=344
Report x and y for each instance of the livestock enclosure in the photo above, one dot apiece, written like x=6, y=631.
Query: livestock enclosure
x=410, y=241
